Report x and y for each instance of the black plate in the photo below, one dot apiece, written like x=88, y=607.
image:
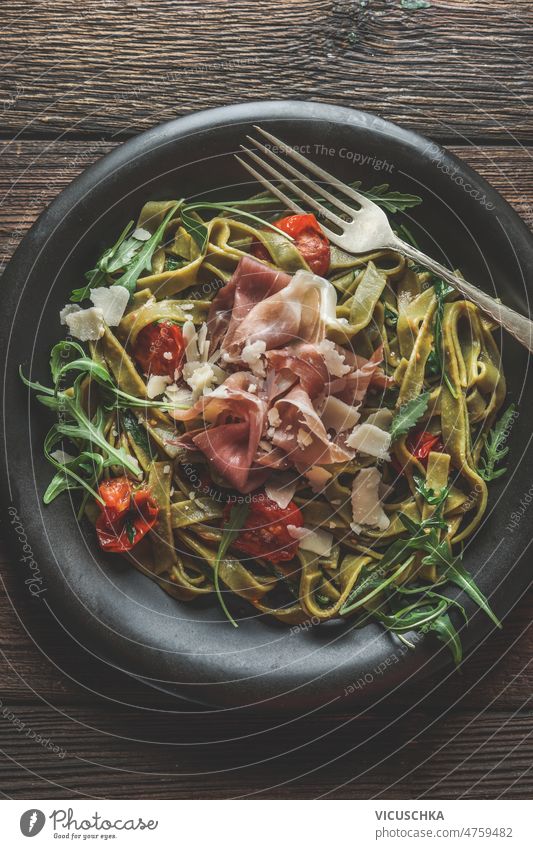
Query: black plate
x=189, y=648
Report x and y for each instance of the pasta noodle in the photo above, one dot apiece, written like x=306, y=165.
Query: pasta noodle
x=410, y=364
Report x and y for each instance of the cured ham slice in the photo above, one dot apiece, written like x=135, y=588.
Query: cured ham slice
x=234, y=421
x=353, y=387
x=251, y=283
x=302, y=435
x=302, y=362
x=291, y=310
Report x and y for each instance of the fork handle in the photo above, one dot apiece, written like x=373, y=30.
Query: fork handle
x=517, y=325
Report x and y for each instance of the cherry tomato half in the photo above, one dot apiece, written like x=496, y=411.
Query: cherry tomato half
x=159, y=348
x=126, y=517
x=420, y=443
x=265, y=531
x=309, y=238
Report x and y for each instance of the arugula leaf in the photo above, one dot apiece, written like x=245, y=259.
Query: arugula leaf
x=438, y=553
x=98, y=276
x=172, y=263
x=142, y=261
x=443, y=629
x=82, y=472
x=194, y=228
x=88, y=367
x=75, y=424
x=408, y=415
x=457, y=574
x=415, y=615
x=429, y=495
x=435, y=361
x=390, y=201
x=137, y=433
x=494, y=449
x=230, y=530
x=61, y=353
x=391, y=317
x=374, y=581
x=429, y=611
x=131, y=530
x=124, y=254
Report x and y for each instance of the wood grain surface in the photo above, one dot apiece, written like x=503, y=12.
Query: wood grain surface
x=75, y=79
x=457, y=68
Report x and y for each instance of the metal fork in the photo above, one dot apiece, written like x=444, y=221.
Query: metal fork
x=368, y=227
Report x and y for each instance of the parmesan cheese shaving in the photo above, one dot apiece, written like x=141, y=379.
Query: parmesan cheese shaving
x=317, y=541
x=318, y=477
x=112, y=300
x=86, y=325
x=371, y=440
x=366, y=504
x=334, y=360
x=252, y=356
x=338, y=416
x=281, y=489
x=157, y=383
x=68, y=309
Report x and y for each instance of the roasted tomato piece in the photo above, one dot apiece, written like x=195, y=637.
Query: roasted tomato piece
x=265, y=531
x=116, y=493
x=126, y=516
x=159, y=348
x=419, y=443
x=309, y=238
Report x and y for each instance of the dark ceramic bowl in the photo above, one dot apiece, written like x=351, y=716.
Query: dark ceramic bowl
x=113, y=610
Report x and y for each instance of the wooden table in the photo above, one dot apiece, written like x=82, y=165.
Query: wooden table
x=76, y=79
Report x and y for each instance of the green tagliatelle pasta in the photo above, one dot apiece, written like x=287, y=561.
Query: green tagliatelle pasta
x=433, y=400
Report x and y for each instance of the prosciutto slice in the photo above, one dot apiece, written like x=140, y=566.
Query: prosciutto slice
x=302, y=435
x=251, y=283
x=234, y=421
x=301, y=362
x=292, y=310
x=353, y=387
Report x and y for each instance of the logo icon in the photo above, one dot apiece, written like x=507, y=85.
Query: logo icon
x=32, y=822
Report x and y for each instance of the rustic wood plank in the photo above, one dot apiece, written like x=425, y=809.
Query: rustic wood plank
x=457, y=68
x=34, y=172
x=117, y=753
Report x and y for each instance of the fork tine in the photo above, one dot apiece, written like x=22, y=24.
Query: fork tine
x=322, y=192
x=296, y=189
x=315, y=169
x=270, y=186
